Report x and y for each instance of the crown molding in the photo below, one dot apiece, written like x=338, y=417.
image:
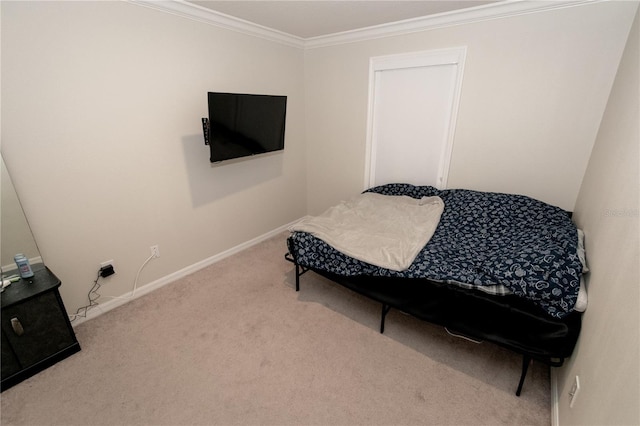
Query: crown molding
x=503, y=9
x=202, y=14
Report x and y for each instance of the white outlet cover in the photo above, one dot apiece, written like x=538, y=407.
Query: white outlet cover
x=107, y=262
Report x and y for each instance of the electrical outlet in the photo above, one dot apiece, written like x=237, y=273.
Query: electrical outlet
x=107, y=269
x=155, y=251
x=573, y=394
x=107, y=263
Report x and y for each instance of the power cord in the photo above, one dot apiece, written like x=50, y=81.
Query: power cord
x=460, y=336
x=135, y=282
x=93, y=296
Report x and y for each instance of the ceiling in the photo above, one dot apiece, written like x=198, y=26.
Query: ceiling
x=316, y=18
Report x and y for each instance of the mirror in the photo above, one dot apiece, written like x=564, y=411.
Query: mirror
x=15, y=233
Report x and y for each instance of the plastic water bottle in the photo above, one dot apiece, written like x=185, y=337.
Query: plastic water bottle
x=23, y=265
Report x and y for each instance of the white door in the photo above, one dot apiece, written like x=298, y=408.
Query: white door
x=412, y=110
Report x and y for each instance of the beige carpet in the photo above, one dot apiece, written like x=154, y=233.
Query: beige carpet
x=235, y=344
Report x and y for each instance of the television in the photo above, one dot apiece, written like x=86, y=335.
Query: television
x=241, y=125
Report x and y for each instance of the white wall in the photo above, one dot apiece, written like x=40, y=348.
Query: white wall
x=608, y=209
x=534, y=89
x=101, y=108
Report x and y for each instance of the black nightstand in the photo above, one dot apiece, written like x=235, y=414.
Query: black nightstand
x=36, y=332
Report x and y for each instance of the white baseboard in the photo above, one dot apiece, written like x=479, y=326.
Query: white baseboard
x=13, y=268
x=161, y=282
x=555, y=413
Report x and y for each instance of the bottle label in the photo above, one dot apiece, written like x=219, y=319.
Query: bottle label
x=25, y=269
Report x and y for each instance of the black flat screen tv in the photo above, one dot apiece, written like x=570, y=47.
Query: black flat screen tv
x=241, y=125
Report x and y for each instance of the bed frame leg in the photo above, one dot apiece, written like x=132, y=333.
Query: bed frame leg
x=526, y=360
x=385, y=311
x=297, y=277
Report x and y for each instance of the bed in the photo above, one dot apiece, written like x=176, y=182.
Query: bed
x=501, y=268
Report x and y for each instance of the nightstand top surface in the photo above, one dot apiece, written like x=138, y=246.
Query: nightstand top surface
x=43, y=280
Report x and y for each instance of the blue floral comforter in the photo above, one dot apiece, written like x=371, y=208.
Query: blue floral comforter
x=483, y=239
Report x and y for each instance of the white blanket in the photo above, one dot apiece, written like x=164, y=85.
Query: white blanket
x=383, y=230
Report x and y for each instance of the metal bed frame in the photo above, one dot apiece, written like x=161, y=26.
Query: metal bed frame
x=508, y=321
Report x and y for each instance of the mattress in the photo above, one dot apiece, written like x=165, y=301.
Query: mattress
x=499, y=243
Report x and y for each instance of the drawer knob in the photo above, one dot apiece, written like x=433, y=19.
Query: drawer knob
x=17, y=327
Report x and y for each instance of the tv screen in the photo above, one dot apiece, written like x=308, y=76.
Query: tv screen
x=241, y=125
